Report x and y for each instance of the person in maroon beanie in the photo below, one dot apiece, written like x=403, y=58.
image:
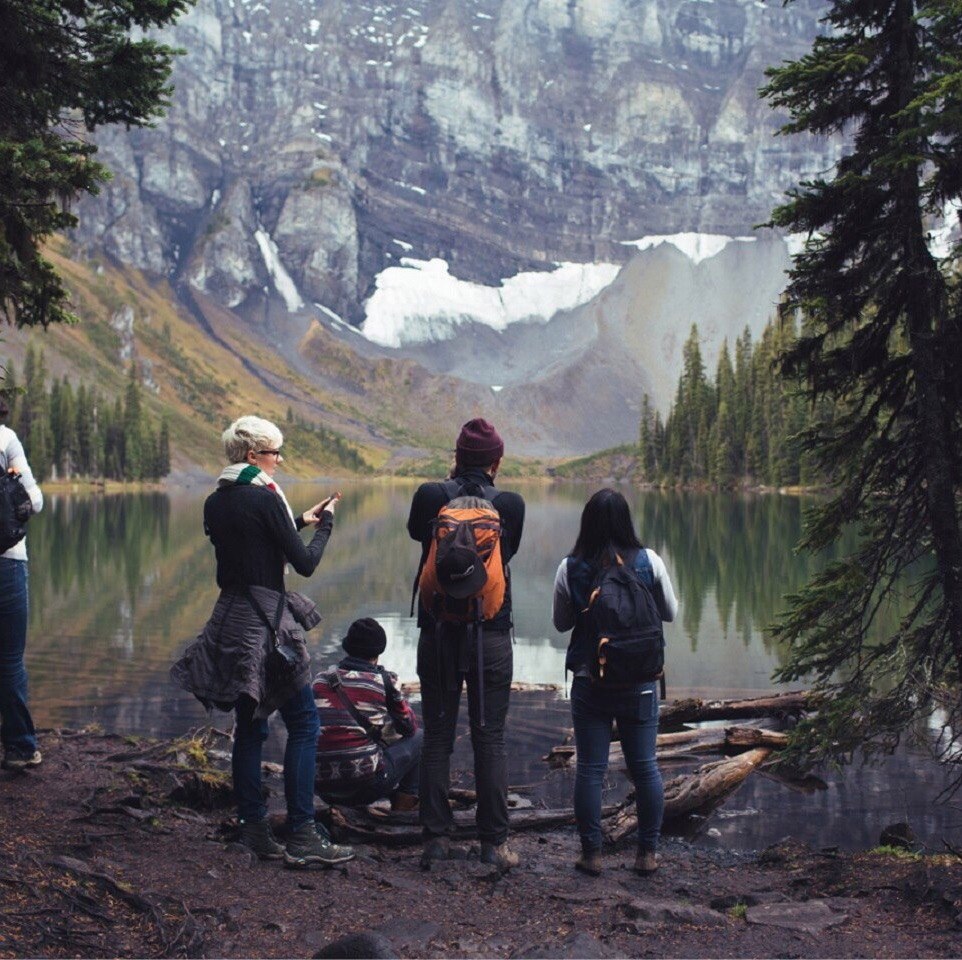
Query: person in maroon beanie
x=447, y=661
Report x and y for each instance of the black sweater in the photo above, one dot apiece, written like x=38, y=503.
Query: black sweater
x=253, y=537
x=428, y=500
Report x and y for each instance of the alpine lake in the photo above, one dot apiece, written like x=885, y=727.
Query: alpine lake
x=120, y=583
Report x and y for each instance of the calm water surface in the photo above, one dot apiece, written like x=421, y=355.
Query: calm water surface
x=120, y=583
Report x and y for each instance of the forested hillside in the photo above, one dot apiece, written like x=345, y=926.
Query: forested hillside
x=138, y=387
x=739, y=428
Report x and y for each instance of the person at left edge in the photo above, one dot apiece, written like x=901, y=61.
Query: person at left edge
x=16, y=725
x=254, y=532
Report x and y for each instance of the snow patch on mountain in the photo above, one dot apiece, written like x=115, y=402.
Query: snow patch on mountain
x=283, y=283
x=695, y=246
x=421, y=301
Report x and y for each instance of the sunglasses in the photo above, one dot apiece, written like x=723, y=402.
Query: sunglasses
x=273, y=453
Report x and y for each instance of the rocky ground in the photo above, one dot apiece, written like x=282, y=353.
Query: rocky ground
x=99, y=860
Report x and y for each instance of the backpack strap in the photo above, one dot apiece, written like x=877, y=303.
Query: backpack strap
x=644, y=568
x=337, y=686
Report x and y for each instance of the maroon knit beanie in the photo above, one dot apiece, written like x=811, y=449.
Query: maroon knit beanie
x=479, y=444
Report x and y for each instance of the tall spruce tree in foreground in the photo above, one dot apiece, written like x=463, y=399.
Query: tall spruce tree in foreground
x=65, y=67
x=881, y=339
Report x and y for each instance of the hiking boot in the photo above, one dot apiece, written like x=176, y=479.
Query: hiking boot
x=13, y=760
x=404, y=802
x=646, y=862
x=499, y=855
x=589, y=862
x=308, y=848
x=258, y=837
x=440, y=848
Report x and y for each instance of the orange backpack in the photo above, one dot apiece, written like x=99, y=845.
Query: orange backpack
x=463, y=577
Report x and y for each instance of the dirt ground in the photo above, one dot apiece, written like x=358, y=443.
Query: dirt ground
x=97, y=860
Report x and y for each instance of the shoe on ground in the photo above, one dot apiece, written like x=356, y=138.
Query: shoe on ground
x=441, y=848
x=308, y=848
x=20, y=761
x=404, y=802
x=589, y=862
x=499, y=855
x=258, y=837
x=646, y=862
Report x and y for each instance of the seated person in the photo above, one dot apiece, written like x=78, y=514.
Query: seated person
x=369, y=746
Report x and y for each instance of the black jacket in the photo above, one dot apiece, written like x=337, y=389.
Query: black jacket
x=253, y=537
x=428, y=500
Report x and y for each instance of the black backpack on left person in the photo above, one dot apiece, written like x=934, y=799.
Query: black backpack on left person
x=15, y=510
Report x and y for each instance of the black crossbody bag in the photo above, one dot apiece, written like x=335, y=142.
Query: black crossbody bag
x=282, y=661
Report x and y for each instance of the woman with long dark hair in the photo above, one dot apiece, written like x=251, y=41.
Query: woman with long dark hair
x=607, y=536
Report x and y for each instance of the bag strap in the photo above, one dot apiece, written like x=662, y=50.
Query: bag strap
x=271, y=628
x=336, y=684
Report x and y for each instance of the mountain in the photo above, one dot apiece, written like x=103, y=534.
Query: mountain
x=523, y=203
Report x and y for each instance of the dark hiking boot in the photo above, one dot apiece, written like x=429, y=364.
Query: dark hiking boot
x=646, y=862
x=404, y=802
x=308, y=848
x=589, y=862
x=257, y=836
x=440, y=848
x=13, y=760
x=499, y=855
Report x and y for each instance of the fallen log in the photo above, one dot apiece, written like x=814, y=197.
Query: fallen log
x=693, y=710
x=689, y=792
x=359, y=825
x=409, y=687
x=683, y=745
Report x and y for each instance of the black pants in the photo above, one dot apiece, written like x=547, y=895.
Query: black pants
x=446, y=658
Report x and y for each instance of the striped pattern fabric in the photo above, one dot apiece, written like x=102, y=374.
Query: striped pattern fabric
x=346, y=755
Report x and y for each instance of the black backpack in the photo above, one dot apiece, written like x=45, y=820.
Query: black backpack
x=624, y=623
x=15, y=510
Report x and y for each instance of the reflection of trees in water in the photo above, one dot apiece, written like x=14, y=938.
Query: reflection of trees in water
x=734, y=550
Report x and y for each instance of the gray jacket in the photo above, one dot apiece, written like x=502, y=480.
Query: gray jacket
x=227, y=660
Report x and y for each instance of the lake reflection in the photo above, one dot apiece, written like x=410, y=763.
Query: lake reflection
x=120, y=583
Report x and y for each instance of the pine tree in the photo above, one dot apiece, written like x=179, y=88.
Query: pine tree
x=33, y=423
x=85, y=432
x=10, y=390
x=135, y=445
x=646, y=441
x=65, y=64
x=883, y=343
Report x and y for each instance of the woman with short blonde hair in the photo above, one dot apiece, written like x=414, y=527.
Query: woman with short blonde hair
x=251, y=656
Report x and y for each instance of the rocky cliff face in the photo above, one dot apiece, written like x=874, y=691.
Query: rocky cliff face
x=499, y=135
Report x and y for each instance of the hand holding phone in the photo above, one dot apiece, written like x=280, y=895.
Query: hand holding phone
x=329, y=503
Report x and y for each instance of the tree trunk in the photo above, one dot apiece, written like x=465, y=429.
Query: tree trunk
x=689, y=792
x=926, y=305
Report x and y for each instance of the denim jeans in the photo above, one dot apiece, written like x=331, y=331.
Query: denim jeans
x=16, y=724
x=636, y=711
x=300, y=717
x=441, y=658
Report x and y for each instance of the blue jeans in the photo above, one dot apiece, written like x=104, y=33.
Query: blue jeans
x=16, y=724
x=300, y=717
x=636, y=712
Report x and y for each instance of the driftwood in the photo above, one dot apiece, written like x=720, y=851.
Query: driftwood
x=365, y=825
x=517, y=686
x=683, y=794
x=677, y=712
x=686, y=744
x=690, y=792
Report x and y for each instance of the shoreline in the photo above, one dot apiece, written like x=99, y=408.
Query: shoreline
x=121, y=846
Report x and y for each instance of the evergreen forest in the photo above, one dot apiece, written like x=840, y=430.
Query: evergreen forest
x=739, y=429
x=71, y=433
